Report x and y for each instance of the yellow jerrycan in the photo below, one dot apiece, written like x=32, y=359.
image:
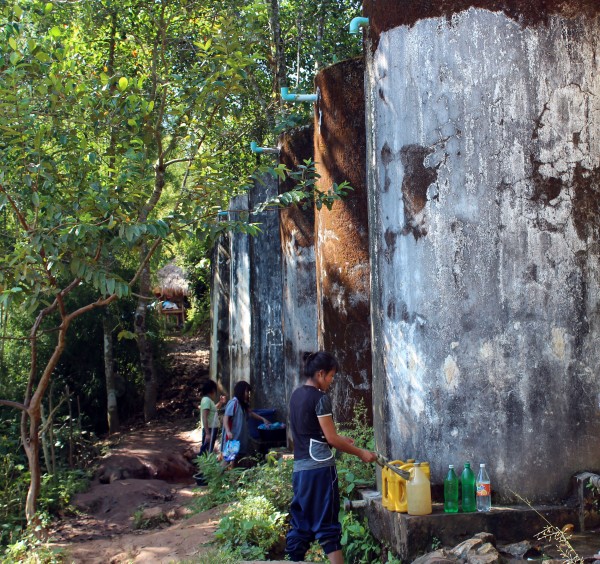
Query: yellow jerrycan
x=418, y=491
x=394, y=487
x=390, y=487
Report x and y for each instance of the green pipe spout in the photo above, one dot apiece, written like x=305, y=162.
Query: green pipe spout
x=356, y=23
x=285, y=94
x=256, y=149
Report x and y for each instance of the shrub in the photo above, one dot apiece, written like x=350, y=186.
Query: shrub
x=252, y=528
x=14, y=482
x=222, y=484
x=29, y=550
x=58, y=489
x=352, y=472
x=358, y=544
x=272, y=480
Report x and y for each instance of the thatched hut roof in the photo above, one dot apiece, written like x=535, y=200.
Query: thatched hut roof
x=172, y=281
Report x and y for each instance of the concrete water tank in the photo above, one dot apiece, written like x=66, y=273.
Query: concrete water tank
x=483, y=164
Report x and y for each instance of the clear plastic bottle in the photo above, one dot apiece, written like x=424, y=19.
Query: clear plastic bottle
x=451, y=491
x=484, y=490
x=467, y=482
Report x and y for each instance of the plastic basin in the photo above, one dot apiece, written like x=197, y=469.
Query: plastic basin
x=253, y=424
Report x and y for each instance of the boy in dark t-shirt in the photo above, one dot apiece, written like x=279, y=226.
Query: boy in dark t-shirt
x=316, y=502
x=311, y=450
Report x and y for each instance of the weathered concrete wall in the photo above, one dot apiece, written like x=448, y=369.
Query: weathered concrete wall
x=219, y=299
x=239, y=303
x=342, y=246
x=297, y=226
x=483, y=172
x=267, y=366
x=388, y=14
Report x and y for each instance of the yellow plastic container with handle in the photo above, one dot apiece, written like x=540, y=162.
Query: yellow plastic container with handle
x=390, y=486
x=393, y=495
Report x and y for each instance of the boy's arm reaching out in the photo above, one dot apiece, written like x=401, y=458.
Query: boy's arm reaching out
x=344, y=444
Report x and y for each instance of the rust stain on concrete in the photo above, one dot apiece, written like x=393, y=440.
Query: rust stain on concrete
x=416, y=180
x=387, y=14
x=586, y=202
x=296, y=145
x=343, y=271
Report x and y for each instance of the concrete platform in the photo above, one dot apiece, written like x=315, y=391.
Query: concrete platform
x=410, y=536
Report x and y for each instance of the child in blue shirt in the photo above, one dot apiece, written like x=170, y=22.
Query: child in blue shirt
x=235, y=419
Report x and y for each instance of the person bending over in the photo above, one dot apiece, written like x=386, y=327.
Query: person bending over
x=235, y=420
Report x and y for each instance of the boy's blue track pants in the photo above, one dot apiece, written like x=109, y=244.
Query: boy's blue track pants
x=314, y=512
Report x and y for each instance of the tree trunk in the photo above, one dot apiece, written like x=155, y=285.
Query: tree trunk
x=280, y=70
x=51, y=428
x=68, y=392
x=45, y=442
x=32, y=449
x=112, y=412
x=298, y=48
x=30, y=434
x=145, y=346
x=323, y=11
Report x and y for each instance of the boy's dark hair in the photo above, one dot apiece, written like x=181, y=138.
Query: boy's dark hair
x=209, y=387
x=313, y=362
x=239, y=392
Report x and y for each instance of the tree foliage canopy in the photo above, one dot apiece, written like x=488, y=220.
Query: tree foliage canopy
x=124, y=127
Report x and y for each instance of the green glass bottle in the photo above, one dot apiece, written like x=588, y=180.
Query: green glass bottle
x=467, y=482
x=451, y=491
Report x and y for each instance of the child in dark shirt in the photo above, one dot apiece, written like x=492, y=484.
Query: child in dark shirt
x=316, y=502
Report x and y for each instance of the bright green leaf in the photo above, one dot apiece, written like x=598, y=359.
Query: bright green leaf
x=42, y=56
x=125, y=335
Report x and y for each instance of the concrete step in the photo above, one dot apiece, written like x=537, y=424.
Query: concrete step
x=410, y=536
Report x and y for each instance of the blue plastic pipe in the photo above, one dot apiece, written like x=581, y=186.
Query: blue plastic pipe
x=356, y=23
x=285, y=94
x=256, y=149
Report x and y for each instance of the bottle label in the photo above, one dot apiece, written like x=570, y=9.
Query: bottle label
x=484, y=489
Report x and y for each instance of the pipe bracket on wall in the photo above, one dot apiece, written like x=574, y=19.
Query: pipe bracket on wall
x=296, y=97
x=256, y=149
x=357, y=23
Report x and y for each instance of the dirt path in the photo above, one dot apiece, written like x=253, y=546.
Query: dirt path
x=147, y=477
